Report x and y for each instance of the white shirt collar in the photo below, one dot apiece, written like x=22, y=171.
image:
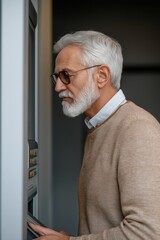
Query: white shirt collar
x=107, y=110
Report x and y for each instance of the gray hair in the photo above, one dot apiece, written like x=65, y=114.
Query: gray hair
x=97, y=48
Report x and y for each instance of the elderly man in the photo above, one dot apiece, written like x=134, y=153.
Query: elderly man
x=119, y=183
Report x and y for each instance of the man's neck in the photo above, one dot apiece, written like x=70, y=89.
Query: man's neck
x=105, y=96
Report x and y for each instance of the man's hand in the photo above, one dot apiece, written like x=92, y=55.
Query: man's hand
x=48, y=234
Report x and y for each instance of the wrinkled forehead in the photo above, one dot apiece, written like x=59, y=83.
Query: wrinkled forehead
x=70, y=55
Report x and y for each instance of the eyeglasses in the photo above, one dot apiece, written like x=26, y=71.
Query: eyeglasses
x=64, y=75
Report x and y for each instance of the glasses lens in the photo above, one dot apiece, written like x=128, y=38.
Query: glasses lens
x=54, y=77
x=64, y=76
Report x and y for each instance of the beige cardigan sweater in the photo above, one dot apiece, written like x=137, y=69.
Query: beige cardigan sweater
x=119, y=185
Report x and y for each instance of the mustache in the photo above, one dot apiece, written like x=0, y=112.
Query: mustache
x=65, y=94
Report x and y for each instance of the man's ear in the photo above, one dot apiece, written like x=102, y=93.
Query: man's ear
x=103, y=76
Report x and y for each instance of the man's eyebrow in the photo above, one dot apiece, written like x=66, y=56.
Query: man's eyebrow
x=67, y=69
x=63, y=69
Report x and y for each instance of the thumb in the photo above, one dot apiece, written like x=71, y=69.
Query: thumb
x=64, y=233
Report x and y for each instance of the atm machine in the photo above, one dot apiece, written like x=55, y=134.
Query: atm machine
x=32, y=143
x=32, y=183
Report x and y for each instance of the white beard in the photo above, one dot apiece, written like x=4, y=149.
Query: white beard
x=87, y=97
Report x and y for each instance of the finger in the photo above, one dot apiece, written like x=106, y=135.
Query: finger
x=41, y=230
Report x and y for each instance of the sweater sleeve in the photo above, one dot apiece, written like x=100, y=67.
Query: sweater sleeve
x=138, y=175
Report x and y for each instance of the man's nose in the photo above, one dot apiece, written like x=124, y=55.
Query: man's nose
x=60, y=85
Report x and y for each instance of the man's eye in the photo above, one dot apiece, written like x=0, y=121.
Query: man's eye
x=65, y=74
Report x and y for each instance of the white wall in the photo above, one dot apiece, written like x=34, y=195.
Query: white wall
x=13, y=123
